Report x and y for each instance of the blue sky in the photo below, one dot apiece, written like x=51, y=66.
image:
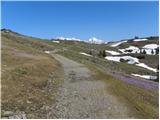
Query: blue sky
x=104, y=20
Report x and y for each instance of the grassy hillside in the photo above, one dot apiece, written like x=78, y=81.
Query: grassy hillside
x=142, y=103
x=72, y=49
x=150, y=60
x=26, y=76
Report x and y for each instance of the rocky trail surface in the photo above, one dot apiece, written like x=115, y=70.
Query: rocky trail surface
x=82, y=96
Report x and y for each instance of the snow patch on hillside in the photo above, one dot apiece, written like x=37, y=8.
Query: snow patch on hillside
x=150, y=77
x=132, y=49
x=117, y=44
x=112, y=52
x=140, y=39
x=56, y=41
x=151, y=46
x=146, y=66
x=85, y=54
x=131, y=60
x=111, y=58
x=47, y=52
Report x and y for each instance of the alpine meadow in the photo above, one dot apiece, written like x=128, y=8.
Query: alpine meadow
x=79, y=60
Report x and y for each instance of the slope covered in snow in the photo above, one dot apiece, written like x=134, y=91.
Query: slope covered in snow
x=85, y=54
x=151, y=46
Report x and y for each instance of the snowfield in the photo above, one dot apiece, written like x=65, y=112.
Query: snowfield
x=85, y=54
x=111, y=58
x=140, y=39
x=112, y=52
x=133, y=49
x=116, y=44
x=150, y=77
x=151, y=46
x=131, y=60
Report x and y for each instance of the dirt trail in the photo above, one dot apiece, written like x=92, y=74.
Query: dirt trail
x=81, y=96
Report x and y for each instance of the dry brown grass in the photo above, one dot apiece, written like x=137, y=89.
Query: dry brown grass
x=24, y=82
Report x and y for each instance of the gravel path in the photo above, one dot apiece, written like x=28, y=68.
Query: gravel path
x=81, y=96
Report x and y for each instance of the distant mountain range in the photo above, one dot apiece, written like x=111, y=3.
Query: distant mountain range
x=92, y=40
x=95, y=40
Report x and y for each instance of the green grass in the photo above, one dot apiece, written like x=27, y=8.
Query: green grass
x=151, y=60
x=142, y=103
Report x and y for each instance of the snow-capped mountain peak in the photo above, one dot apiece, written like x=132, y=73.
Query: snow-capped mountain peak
x=63, y=38
x=95, y=40
x=92, y=40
